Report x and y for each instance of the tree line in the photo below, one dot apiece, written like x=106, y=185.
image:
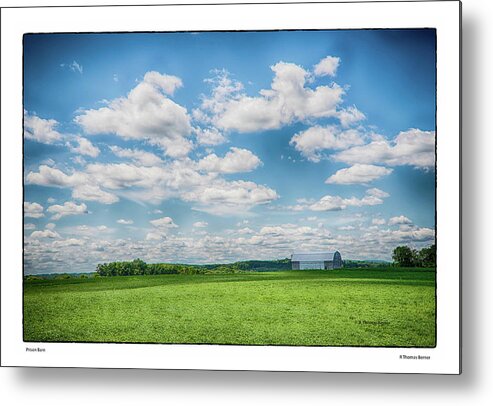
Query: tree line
x=408, y=257
x=139, y=267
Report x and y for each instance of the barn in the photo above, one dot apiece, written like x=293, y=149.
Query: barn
x=316, y=260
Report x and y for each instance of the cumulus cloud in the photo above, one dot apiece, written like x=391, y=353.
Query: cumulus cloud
x=137, y=155
x=350, y=116
x=236, y=160
x=29, y=226
x=45, y=234
x=40, y=129
x=93, y=193
x=85, y=147
x=84, y=186
x=412, y=234
x=269, y=241
x=163, y=223
x=89, y=232
x=47, y=176
x=334, y=203
x=377, y=193
x=200, y=224
x=146, y=113
x=50, y=226
x=124, y=221
x=230, y=198
x=358, y=174
x=327, y=66
x=161, y=228
x=311, y=142
x=67, y=209
x=209, y=136
x=399, y=220
x=155, y=235
x=184, y=179
x=378, y=221
x=33, y=210
x=413, y=147
x=288, y=100
x=69, y=242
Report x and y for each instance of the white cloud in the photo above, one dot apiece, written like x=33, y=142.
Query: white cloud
x=85, y=147
x=155, y=235
x=69, y=242
x=358, y=174
x=245, y=230
x=327, y=66
x=349, y=116
x=316, y=139
x=137, y=155
x=346, y=228
x=378, y=221
x=47, y=176
x=209, y=136
x=51, y=200
x=40, y=129
x=78, y=160
x=89, y=246
x=413, y=147
x=93, y=193
x=377, y=193
x=89, y=232
x=125, y=222
x=200, y=224
x=50, y=226
x=45, y=234
x=146, y=113
x=48, y=161
x=29, y=226
x=33, y=210
x=68, y=209
x=74, y=66
x=230, y=198
x=161, y=227
x=333, y=203
x=180, y=179
x=414, y=234
x=287, y=100
x=236, y=160
x=399, y=220
x=163, y=223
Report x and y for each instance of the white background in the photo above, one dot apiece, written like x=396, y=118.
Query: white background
x=79, y=386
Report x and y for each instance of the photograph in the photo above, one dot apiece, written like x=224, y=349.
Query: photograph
x=246, y=188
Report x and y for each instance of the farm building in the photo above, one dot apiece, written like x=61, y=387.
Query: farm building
x=316, y=260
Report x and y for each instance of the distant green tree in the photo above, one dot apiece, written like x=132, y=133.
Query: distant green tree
x=404, y=256
x=428, y=256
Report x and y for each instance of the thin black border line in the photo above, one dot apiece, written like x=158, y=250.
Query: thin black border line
x=245, y=31
x=460, y=141
x=225, y=31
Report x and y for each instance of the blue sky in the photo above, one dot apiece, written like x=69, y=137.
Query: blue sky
x=217, y=147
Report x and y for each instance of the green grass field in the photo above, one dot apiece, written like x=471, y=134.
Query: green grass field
x=377, y=307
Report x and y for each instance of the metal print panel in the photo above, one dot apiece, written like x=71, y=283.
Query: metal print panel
x=250, y=188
